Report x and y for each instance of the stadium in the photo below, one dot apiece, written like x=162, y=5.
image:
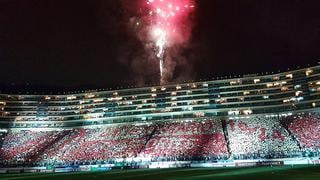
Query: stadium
x=159, y=89
x=270, y=119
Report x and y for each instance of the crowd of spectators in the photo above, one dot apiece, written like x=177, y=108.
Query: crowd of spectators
x=306, y=129
x=24, y=146
x=203, y=139
x=260, y=137
x=99, y=144
x=187, y=141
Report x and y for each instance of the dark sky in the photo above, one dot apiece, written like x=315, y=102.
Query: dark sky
x=69, y=44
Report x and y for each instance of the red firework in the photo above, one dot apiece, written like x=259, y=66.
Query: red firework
x=167, y=16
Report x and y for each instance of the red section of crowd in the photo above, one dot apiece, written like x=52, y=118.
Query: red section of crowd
x=24, y=146
x=188, y=139
x=100, y=143
x=306, y=129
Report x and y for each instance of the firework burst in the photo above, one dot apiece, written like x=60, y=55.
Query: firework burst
x=166, y=17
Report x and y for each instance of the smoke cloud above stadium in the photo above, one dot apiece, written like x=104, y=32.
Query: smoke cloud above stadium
x=97, y=44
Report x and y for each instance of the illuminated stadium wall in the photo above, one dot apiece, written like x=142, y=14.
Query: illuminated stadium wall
x=280, y=93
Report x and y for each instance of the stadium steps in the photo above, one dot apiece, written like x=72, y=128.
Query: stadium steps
x=293, y=137
x=36, y=157
x=148, y=138
x=225, y=133
x=60, y=143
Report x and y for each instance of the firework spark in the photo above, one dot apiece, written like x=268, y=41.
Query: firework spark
x=165, y=19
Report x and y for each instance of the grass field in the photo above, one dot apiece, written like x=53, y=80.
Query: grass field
x=259, y=173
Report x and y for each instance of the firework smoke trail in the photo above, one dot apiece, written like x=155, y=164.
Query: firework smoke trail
x=160, y=43
x=165, y=17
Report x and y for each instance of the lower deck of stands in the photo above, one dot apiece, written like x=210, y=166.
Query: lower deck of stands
x=204, y=139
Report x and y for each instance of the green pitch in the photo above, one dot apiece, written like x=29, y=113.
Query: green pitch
x=256, y=173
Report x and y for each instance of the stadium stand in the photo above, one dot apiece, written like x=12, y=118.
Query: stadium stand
x=260, y=137
x=205, y=139
x=23, y=147
x=187, y=140
x=306, y=129
x=91, y=145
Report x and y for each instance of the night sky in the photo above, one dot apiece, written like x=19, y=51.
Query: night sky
x=76, y=44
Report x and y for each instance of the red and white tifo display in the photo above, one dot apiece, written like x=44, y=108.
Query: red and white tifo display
x=201, y=139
